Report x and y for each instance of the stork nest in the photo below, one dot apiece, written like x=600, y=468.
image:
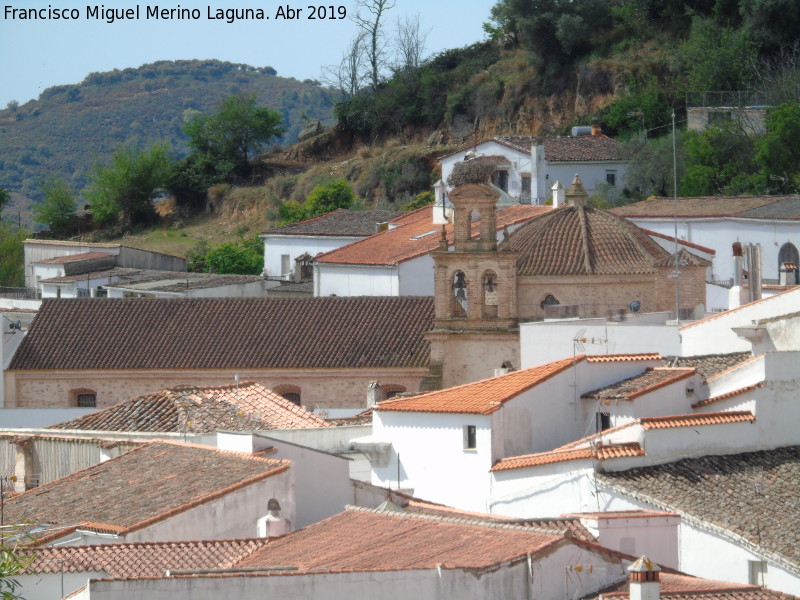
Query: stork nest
x=476, y=170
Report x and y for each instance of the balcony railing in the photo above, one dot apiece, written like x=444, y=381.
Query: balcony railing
x=20, y=293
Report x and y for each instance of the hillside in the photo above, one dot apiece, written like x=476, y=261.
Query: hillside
x=69, y=126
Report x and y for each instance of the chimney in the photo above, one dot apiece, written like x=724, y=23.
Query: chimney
x=576, y=196
x=374, y=394
x=596, y=129
x=558, y=194
x=753, y=253
x=272, y=524
x=644, y=581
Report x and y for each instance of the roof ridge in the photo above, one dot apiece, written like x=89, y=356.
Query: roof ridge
x=726, y=395
x=456, y=521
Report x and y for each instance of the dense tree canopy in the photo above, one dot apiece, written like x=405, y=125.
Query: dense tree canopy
x=235, y=133
x=57, y=211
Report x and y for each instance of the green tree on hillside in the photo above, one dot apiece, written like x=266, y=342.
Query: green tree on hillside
x=12, y=256
x=57, y=211
x=326, y=198
x=125, y=189
x=235, y=133
x=778, y=151
x=5, y=196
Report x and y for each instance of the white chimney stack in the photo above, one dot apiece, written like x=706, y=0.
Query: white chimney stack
x=374, y=394
x=644, y=580
x=559, y=194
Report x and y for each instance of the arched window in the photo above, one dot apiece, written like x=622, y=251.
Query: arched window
x=83, y=398
x=788, y=264
x=460, y=294
x=489, y=305
x=391, y=390
x=548, y=305
x=290, y=392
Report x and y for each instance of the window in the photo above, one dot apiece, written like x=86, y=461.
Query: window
x=500, y=179
x=758, y=572
x=86, y=401
x=285, y=264
x=526, y=185
x=470, y=437
x=603, y=421
x=611, y=178
x=290, y=392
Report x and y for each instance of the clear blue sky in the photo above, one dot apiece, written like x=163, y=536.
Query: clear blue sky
x=38, y=54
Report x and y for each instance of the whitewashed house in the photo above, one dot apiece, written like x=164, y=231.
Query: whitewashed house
x=284, y=245
x=542, y=341
x=397, y=262
x=443, y=444
x=532, y=165
x=772, y=222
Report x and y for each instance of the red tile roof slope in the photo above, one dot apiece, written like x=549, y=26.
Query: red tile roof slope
x=143, y=559
x=146, y=485
x=750, y=496
x=227, y=333
x=649, y=381
x=674, y=586
x=571, y=527
x=727, y=395
x=59, y=260
x=774, y=207
x=584, y=241
x=558, y=149
x=370, y=540
x=697, y=419
x=481, y=397
x=340, y=222
x=248, y=406
x=416, y=235
x=599, y=452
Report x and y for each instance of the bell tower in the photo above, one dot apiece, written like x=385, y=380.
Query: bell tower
x=475, y=288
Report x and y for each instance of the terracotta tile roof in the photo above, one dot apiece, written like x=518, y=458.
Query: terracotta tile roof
x=179, y=281
x=698, y=419
x=60, y=260
x=486, y=396
x=341, y=223
x=751, y=497
x=599, y=452
x=246, y=407
x=675, y=586
x=584, y=241
x=481, y=397
x=733, y=310
x=754, y=207
x=557, y=526
x=143, y=559
x=726, y=395
x=607, y=358
x=370, y=540
x=136, y=489
x=710, y=365
x=416, y=235
x=220, y=333
x=633, y=387
x=557, y=149
x=581, y=148
x=680, y=242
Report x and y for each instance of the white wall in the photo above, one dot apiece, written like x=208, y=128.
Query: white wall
x=655, y=536
x=296, y=245
x=432, y=457
x=720, y=233
x=542, y=342
x=592, y=173
x=233, y=515
x=355, y=280
x=416, y=276
x=520, y=162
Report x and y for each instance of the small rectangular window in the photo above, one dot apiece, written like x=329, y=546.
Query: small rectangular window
x=758, y=572
x=470, y=437
x=285, y=264
x=611, y=178
x=603, y=421
x=526, y=185
x=86, y=401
